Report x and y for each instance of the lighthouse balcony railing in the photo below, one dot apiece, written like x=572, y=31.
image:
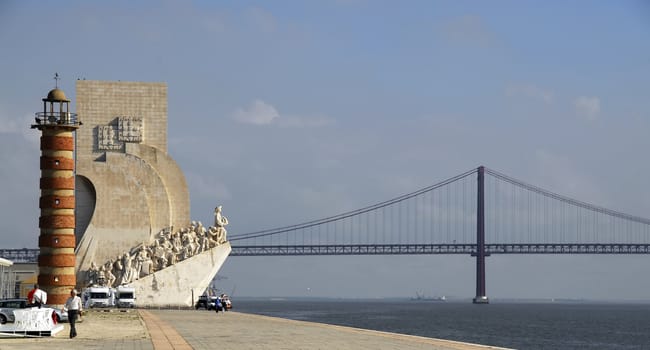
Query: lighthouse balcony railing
x=57, y=118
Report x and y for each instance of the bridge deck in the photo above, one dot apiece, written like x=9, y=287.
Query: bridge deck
x=414, y=249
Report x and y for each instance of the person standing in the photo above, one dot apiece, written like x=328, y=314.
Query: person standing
x=39, y=297
x=74, y=308
x=218, y=305
x=30, y=295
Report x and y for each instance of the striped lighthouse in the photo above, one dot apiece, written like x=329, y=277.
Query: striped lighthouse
x=56, y=261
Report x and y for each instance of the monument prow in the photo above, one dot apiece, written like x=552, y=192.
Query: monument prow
x=175, y=286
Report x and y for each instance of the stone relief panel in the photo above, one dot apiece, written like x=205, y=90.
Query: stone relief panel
x=107, y=138
x=130, y=129
x=112, y=137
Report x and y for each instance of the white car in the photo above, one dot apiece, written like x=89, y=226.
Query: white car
x=7, y=307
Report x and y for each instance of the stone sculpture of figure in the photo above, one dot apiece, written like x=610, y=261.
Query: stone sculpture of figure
x=109, y=276
x=117, y=267
x=160, y=257
x=219, y=219
x=203, y=243
x=101, y=276
x=107, y=269
x=92, y=274
x=170, y=254
x=220, y=223
x=140, y=258
x=194, y=245
x=177, y=243
x=212, y=236
x=147, y=267
x=128, y=274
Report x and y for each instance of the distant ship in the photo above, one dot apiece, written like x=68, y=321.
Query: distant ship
x=421, y=297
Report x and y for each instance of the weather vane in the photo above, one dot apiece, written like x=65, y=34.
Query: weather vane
x=56, y=80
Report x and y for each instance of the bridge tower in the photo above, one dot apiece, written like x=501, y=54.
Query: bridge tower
x=56, y=260
x=480, y=254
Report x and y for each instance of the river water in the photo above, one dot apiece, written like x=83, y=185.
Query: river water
x=519, y=325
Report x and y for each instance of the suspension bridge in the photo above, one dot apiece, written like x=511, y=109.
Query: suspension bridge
x=478, y=213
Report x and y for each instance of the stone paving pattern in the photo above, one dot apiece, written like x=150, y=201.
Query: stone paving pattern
x=190, y=329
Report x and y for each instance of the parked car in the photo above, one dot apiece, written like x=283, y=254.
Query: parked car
x=7, y=307
x=206, y=302
x=59, y=314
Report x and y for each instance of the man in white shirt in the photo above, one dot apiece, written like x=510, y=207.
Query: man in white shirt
x=74, y=308
x=40, y=296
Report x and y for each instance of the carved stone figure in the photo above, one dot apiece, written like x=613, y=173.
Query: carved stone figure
x=160, y=255
x=109, y=277
x=92, y=274
x=101, y=277
x=177, y=243
x=140, y=259
x=220, y=223
x=219, y=219
x=171, y=255
x=147, y=267
x=204, y=243
x=128, y=271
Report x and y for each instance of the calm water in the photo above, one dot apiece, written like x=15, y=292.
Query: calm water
x=513, y=325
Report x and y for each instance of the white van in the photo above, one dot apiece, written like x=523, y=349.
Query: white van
x=125, y=296
x=98, y=297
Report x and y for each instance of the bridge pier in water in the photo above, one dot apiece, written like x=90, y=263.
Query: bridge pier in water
x=481, y=297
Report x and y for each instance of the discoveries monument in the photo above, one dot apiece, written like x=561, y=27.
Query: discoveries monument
x=132, y=222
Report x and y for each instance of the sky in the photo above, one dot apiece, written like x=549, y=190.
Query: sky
x=289, y=111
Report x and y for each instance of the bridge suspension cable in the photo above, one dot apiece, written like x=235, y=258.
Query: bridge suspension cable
x=565, y=199
x=352, y=213
x=518, y=212
x=446, y=214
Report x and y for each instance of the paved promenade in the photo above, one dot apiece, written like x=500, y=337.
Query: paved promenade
x=189, y=329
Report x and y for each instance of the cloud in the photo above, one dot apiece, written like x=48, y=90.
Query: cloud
x=531, y=91
x=19, y=126
x=469, y=29
x=258, y=113
x=587, y=106
x=262, y=113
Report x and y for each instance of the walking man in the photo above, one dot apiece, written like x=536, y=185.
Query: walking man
x=74, y=308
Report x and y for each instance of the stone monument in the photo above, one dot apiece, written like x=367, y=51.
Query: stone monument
x=133, y=208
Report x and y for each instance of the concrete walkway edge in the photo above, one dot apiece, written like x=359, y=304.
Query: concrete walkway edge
x=163, y=336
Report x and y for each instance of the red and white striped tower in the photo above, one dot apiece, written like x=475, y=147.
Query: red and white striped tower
x=56, y=260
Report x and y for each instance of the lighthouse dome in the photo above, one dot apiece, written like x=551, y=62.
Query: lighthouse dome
x=56, y=95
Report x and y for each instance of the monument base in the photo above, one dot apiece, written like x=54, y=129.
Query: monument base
x=178, y=284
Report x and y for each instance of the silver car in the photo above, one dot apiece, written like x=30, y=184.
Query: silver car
x=60, y=315
x=7, y=307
